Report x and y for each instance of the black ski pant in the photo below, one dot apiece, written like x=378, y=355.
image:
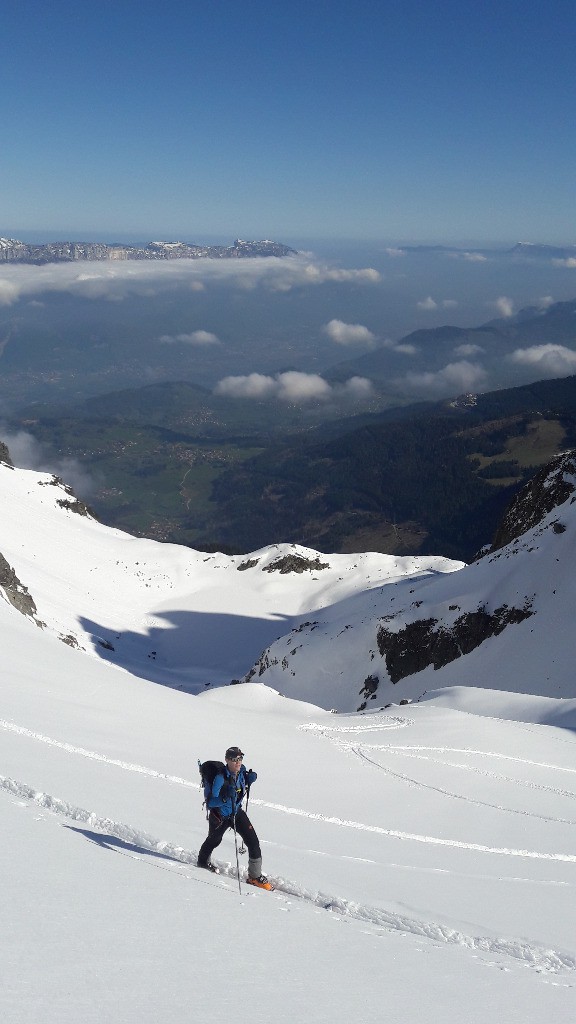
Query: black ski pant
x=217, y=826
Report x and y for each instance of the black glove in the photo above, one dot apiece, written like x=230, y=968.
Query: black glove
x=226, y=791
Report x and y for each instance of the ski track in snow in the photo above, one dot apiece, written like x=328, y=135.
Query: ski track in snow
x=481, y=753
x=93, y=756
x=460, y=796
x=388, y=722
x=540, y=958
x=315, y=815
x=406, y=752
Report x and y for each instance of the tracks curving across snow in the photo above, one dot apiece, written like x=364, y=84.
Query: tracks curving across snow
x=467, y=799
x=537, y=957
x=298, y=811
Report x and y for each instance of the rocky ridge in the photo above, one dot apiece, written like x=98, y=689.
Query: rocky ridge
x=12, y=250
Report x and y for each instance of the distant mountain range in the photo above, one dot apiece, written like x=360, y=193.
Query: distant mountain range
x=530, y=250
x=14, y=251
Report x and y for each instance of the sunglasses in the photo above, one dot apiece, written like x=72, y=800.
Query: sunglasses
x=240, y=758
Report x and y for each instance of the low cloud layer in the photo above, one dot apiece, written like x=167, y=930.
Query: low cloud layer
x=405, y=348
x=569, y=262
x=454, y=378
x=548, y=360
x=194, y=338
x=429, y=304
x=468, y=350
x=117, y=280
x=505, y=306
x=349, y=334
x=292, y=386
x=28, y=453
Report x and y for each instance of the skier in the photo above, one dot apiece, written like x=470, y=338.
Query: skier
x=225, y=811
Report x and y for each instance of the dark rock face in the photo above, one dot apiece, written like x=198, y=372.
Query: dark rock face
x=368, y=691
x=250, y=563
x=5, y=455
x=75, y=505
x=295, y=563
x=425, y=643
x=15, y=591
x=550, y=487
x=72, y=504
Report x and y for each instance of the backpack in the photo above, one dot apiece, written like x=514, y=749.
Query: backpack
x=208, y=772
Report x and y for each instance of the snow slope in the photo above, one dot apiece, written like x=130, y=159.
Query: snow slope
x=531, y=580
x=424, y=856
x=171, y=614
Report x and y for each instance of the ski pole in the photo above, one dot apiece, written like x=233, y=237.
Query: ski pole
x=243, y=848
x=236, y=847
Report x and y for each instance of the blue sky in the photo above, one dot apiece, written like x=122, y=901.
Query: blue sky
x=435, y=120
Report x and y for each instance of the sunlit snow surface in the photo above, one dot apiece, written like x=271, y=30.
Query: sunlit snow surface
x=424, y=855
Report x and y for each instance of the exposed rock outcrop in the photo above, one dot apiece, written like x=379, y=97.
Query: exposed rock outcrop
x=72, y=503
x=427, y=642
x=550, y=487
x=5, y=455
x=295, y=563
x=15, y=591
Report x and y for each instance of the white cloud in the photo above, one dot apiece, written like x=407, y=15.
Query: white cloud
x=545, y=302
x=194, y=338
x=28, y=453
x=116, y=280
x=431, y=304
x=358, y=387
x=293, y=386
x=394, y=253
x=552, y=360
x=9, y=292
x=318, y=273
x=348, y=334
x=427, y=304
x=468, y=350
x=455, y=377
x=253, y=385
x=505, y=306
x=405, y=348
x=570, y=262
x=474, y=257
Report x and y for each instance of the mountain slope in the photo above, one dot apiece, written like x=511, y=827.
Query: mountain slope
x=503, y=622
x=166, y=612
x=436, y=480
x=423, y=856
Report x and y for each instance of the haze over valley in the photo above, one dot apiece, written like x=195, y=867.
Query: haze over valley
x=147, y=383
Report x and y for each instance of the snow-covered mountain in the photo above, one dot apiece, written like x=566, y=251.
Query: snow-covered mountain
x=423, y=856
x=505, y=622
x=165, y=612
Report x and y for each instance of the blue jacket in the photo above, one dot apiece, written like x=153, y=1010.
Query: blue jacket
x=227, y=797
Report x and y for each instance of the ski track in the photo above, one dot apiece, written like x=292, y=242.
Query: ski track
x=93, y=756
x=460, y=796
x=569, y=794
x=388, y=722
x=311, y=815
x=543, y=960
x=481, y=753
